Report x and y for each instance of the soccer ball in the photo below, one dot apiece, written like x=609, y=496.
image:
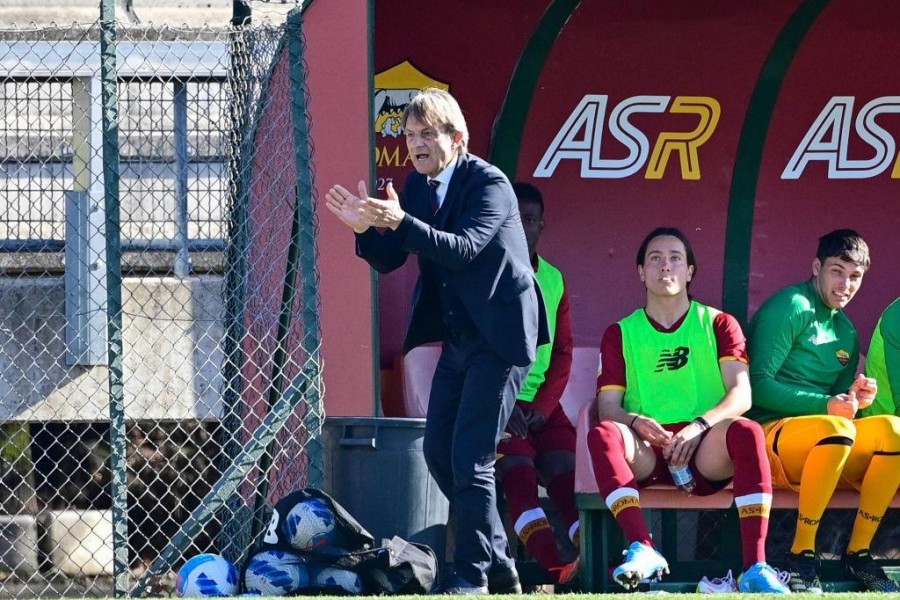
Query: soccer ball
x=275, y=573
x=333, y=578
x=207, y=575
x=310, y=525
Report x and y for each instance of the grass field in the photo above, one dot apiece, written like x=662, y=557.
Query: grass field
x=830, y=596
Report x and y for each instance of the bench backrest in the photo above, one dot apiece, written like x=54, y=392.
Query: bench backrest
x=417, y=371
x=418, y=367
x=582, y=387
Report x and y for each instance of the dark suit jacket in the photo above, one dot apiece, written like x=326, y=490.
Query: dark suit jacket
x=478, y=238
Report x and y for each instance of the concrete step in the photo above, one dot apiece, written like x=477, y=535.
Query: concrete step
x=80, y=541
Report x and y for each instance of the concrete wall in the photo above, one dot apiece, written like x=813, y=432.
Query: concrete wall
x=172, y=333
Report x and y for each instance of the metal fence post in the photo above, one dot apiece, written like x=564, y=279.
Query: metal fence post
x=110, y=99
x=182, y=260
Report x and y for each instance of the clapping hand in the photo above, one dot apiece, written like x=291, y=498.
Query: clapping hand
x=381, y=213
x=347, y=207
x=361, y=212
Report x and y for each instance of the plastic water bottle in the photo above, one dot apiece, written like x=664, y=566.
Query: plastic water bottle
x=683, y=478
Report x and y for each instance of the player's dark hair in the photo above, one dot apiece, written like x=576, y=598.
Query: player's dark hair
x=525, y=192
x=671, y=231
x=845, y=244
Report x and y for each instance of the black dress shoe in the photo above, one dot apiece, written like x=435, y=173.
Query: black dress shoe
x=504, y=582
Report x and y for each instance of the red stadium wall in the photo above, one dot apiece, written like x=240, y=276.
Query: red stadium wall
x=864, y=67
x=742, y=82
x=337, y=38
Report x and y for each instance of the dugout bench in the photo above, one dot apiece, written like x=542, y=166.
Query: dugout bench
x=601, y=539
x=602, y=542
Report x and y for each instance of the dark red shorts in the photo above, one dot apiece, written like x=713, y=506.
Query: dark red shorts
x=661, y=475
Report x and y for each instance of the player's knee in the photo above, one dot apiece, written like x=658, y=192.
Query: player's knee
x=554, y=463
x=892, y=425
x=605, y=434
x=833, y=426
x=606, y=443
x=885, y=428
x=509, y=462
x=746, y=432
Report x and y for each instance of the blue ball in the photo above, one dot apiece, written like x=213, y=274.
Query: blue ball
x=335, y=579
x=275, y=573
x=310, y=525
x=207, y=575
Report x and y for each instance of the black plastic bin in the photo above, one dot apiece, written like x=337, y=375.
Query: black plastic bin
x=374, y=467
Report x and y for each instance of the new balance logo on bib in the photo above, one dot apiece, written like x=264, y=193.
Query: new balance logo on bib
x=672, y=360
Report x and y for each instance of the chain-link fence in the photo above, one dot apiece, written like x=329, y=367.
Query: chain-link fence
x=160, y=378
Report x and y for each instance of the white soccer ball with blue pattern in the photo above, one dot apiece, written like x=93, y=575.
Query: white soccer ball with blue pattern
x=275, y=573
x=310, y=525
x=207, y=575
x=333, y=578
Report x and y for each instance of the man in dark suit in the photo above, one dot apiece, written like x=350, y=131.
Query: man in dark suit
x=476, y=294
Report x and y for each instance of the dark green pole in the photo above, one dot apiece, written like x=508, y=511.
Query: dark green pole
x=309, y=282
x=236, y=534
x=110, y=125
x=507, y=139
x=748, y=161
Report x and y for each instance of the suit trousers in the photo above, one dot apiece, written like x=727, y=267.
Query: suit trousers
x=472, y=396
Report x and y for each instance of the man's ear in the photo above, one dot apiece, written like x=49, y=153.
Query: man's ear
x=641, y=272
x=816, y=267
x=457, y=137
x=690, y=272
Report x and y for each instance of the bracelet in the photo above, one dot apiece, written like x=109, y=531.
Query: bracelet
x=703, y=423
x=633, y=419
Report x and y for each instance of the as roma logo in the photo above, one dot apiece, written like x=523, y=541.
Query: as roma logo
x=843, y=357
x=394, y=88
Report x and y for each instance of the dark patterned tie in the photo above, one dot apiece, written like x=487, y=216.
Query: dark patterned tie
x=433, y=185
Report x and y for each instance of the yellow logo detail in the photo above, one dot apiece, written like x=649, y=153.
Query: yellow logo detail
x=394, y=87
x=623, y=503
x=535, y=525
x=843, y=356
x=685, y=144
x=753, y=510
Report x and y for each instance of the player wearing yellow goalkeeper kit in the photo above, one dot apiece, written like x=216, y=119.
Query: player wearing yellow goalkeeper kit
x=803, y=357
